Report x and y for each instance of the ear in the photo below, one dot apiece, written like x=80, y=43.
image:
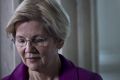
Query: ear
x=60, y=44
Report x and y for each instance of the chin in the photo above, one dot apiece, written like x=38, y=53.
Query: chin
x=33, y=67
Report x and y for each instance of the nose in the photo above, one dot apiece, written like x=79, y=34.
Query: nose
x=28, y=47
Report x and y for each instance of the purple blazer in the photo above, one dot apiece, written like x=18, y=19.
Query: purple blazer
x=68, y=72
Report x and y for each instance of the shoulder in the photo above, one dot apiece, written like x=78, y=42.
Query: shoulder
x=71, y=71
x=19, y=73
x=87, y=75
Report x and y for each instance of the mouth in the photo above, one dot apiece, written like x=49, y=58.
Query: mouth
x=33, y=58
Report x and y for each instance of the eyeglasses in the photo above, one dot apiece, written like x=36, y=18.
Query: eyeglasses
x=37, y=41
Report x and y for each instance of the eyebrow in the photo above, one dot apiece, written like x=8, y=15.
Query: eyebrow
x=19, y=36
x=39, y=35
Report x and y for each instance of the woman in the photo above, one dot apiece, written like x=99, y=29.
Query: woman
x=39, y=29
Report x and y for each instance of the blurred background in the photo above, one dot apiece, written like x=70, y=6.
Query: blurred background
x=94, y=42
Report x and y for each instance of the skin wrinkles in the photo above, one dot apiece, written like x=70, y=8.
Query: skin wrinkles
x=39, y=59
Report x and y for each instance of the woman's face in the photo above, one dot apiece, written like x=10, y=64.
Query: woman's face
x=36, y=48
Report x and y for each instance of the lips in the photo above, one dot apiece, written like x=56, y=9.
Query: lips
x=32, y=56
x=33, y=59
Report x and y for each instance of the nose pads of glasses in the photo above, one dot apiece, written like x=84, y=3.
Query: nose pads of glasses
x=29, y=47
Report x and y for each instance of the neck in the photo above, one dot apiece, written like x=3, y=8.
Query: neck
x=50, y=73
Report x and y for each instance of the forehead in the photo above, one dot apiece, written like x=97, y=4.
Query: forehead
x=30, y=28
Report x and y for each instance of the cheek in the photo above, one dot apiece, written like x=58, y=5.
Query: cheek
x=47, y=50
x=43, y=51
x=21, y=53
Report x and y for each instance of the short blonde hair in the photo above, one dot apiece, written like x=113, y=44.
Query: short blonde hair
x=48, y=12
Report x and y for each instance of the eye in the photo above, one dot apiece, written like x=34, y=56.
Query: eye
x=20, y=40
x=39, y=40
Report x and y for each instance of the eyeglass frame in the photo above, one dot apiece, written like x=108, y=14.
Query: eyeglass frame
x=33, y=41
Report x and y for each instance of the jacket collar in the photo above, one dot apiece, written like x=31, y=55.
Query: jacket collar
x=68, y=71
x=20, y=73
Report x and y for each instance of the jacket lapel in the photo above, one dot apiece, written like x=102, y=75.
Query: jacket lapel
x=68, y=70
x=20, y=73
